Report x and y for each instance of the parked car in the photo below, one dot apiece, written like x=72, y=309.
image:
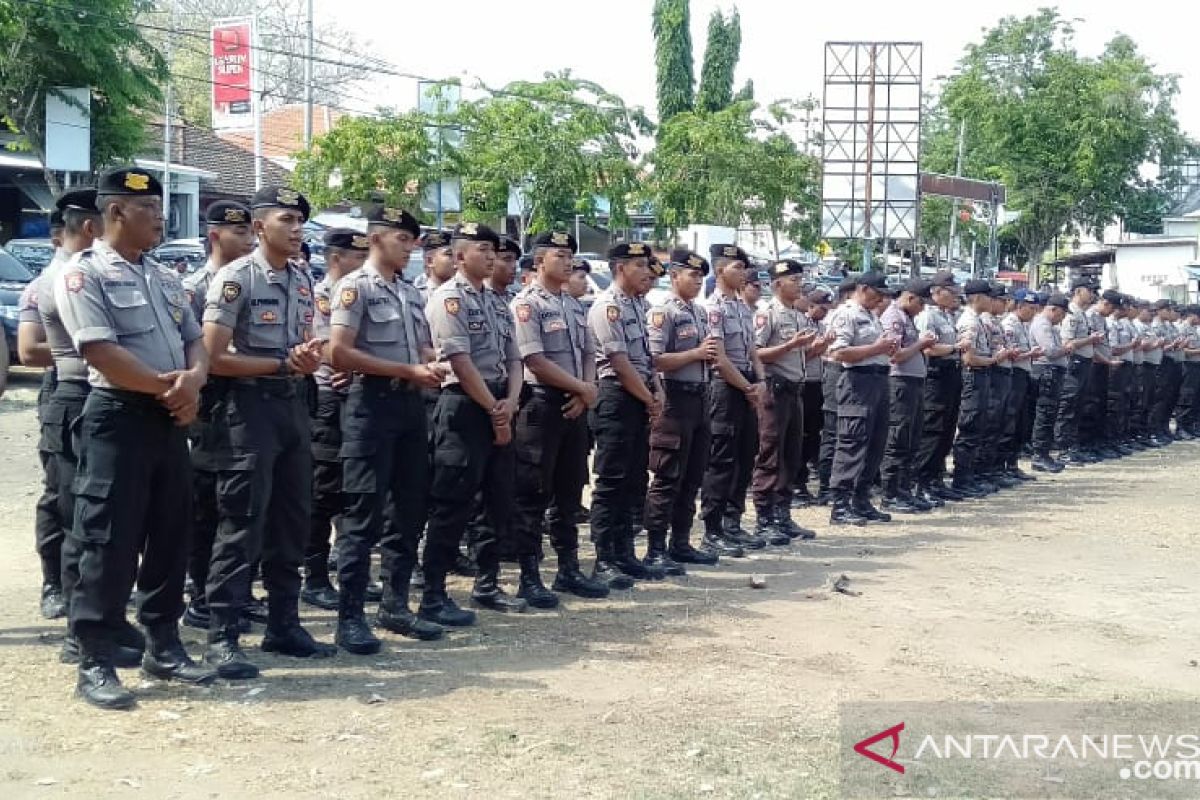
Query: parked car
x=35, y=254
x=14, y=277
x=188, y=253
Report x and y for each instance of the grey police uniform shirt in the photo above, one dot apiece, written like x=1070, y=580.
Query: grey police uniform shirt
x=68, y=365
x=1193, y=334
x=814, y=368
x=554, y=326
x=463, y=322
x=831, y=321
x=1098, y=323
x=942, y=325
x=855, y=327
x=1075, y=326
x=141, y=307
x=196, y=285
x=1046, y=335
x=388, y=317
x=270, y=311
x=732, y=321
x=774, y=326
x=901, y=325
x=1016, y=335
x=618, y=325
x=971, y=328
x=1119, y=334
x=995, y=335
x=1134, y=356
x=323, y=309
x=676, y=327
x=1153, y=355
x=1171, y=333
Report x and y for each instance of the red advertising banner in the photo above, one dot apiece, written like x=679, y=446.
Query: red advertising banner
x=232, y=73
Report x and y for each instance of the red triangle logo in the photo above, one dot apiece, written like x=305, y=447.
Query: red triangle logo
x=892, y=733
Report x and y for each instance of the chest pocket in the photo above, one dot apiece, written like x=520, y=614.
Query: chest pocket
x=555, y=336
x=383, y=323
x=131, y=309
x=266, y=327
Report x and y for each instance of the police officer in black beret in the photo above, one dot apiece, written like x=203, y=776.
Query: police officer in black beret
x=943, y=391
x=831, y=372
x=130, y=318
x=979, y=357
x=263, y=305
x=1080, y=340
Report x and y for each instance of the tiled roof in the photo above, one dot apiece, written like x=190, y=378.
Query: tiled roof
x=197, y=147
x=283, y=130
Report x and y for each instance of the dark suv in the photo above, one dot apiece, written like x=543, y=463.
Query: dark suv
x=14, y=277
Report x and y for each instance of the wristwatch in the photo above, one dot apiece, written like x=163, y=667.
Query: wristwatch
x=284, y=370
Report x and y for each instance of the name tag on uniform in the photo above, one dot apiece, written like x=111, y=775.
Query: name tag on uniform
x=687, y=332
x=554, y=325
x=475, y=325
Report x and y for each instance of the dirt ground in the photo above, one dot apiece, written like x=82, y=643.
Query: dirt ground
x=1081, y=586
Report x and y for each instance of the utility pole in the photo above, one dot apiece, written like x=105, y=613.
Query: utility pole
x=868, y=236
x=962, y=134
x=308, y=81
x=166, y=170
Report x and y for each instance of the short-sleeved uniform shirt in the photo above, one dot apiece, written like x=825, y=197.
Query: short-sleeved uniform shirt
x=1170, y=333
x=68, y=365
x=1098, y=323
x=772, y=327
x=676, y=327
x=814, y=368
x=1075, y=326
x=322, y=311
x=995, y=335
x=732, y=321
x=618, y=325
x=388, y=317
x=936, y=319
x=462, y=321
x=972, y=330
x=196, y=286
x=1046, y=335
x=855, y=326
x=551, y=325
x=1134, y=356
x=269, y=310
x=1150, y=330
x=1016, y=335
x=904, y=328
x=27, y=304
x=142, y=307
x=1120, y=334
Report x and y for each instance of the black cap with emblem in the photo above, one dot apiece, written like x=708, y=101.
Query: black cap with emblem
x=129, y=181
x=556, y=239
x=347, y=239
x=998, y=291
x=281, y=197
x=977, y=287
x=525, y=263
x=509, y=245
x=580, y=265
x=1058, y=300
x=1113, y=297
x=1085, y=283
x=874, y=280
x=435, y=240
x=397, y=218
x=475, y=232
x=56, y=219
x=227, y=212
x=77, y=200
x=789, y=266
x=919, y=287
x=627, y=250
x=686, y=259
x=728, y=251
x=943, y=279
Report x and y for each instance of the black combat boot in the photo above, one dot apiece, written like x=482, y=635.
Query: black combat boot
x=318, y=591
x=531, y=588
x=783, y=521
x=125, y=650
x=715, y=540
x=394, y=614
x=731, y=525
x=862, y=506
x=898, y=504
x=98, y=683
x=765, y=527
x=682, y=552
x=437, y=606
x=605, y=569
x=353, y=633
x=167, y=659
x=464, y=565
x=843, y=513
x=626, y=561
x=658, y=557
x=571, y=580
x=487, y=592
x=53, y=603
x=224, y=653
x=286, y=636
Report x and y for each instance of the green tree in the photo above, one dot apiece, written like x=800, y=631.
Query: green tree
x=721, y=56
x=87, y=43
x=673, y=57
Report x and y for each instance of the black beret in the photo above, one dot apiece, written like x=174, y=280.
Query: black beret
x=396, y=218
x=56, y=219
x=556, y=239
x=129, y=181
x=435, y=240
x=226, y=212
x=731, y=251
x=1113, y=296
x=1084, y=283
x=509, y=245
x=306, y=251
x=1058, y=300
x=754, y=277
x=820, y=294
x=918, y=286
x=848, y=284
x=656, y=267
x=1159, y=305
x=347, y=239
x=943, y=279
x=998, y=291
x=526, y=263
x=475, y=232
x=281, y=197
x=874, y=280
x=977, y=287
x=627, y=250
x=688, y=260
x=789, y=266
x=580, y=265
x=77, y=200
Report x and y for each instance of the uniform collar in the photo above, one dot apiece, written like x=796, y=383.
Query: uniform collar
x=272, y=275
x=464, y=284
x=370, y=269
x=620, y=295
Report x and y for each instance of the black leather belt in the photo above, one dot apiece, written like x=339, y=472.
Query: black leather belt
x=869, y=369
x=686, y=387
x=383, y=382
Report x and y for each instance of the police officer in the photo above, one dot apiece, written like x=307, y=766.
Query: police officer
x=228, y=237
x=1049, y=369
x=831, y=370
x=1119, y=366
x=263, y=305
x=439, y=262
x=1153, y=345
x=1131, y=427
x=1080, y=341
x=379, y=333
x=551, y=438
x=1188, y=410
x=683, y=351
x=42, y=341
x=472, y=428
x=999, y=386
x=978, y=359
x=942, y=391
x=864, y=348
x=1095, y=404
x=1015, y=324
x=628, y=400
x=817, y=302
x=129, y=318
x=906, y=393
x=578, y=286
x=345, y=252
x=736, y=392
x=781, y=333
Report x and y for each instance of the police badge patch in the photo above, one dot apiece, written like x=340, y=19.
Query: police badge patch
x=323, y=305
x=349, y=297
x=231, y=291
x=613, y=313
x=452, y=305
x=524, y=312
x=657, y=318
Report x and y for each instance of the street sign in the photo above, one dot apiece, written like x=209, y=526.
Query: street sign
x=962, y=188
